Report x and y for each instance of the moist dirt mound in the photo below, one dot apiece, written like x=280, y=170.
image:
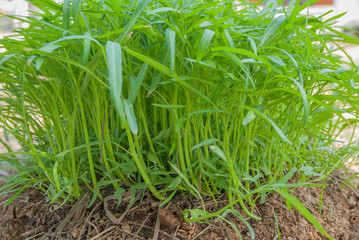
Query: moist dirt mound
x=31, y=217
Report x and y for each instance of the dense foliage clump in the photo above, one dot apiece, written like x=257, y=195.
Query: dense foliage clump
x=176, y=96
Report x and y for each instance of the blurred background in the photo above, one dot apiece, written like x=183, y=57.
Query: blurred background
x=12, y=7
x=351, y=18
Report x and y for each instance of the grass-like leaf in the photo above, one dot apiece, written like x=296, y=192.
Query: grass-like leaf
x=204, y=43
x=303, y=210
x=171, y=45
x=114, y=66
x=194, y=96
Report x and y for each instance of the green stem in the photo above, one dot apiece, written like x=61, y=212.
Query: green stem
x=140, y=165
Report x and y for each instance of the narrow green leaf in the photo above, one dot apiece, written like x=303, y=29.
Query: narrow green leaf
x=85, y=20
x=61, y=154
x=8, y=202
x=153, y=158
x=288, y=176
x=72, y=37
x=207, y=111
x=87, y=47
x=173, y=184
x=11, y=184
x=179, y=123
x=6, y=134
x=133, y=190
x=247, y=53
x=118, y=195
x=277, y=60
x=305, y=100
x=219, y=152
x=155, y=82
x=251, y=230
x=136, y=14
x=229, y=38
x=160, y=10
x=114, y=67
x=321, y=116
x=96, y=190
x=165, y=70
x=132, y=80
x=7, y=57
x=137, y=83
x=204, y=43
x=197, y=10
x=298, y=8
x=205, y=143
x=277, y=129
x=75, y=9
x=183, y=177
x=277, y=225
x=160, y=67
x=56, y=176
x=39, y=60
x=265, y=169
x=295, y=65
x=335, y=17
x=303, y=210
x=171, y=48
x=272, y=28
x=309, y=171
x=171, y=196
x=206, y=24
x=131, y=117
x=291, y=5
x=170, y=106
x=49, y=47
x=248, y=118
x=66, y=13
x=253, y=45
x=63, y=189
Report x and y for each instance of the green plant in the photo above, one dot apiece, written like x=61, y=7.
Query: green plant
x=176, y=96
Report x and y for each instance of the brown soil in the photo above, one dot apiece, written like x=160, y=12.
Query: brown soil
x=29, y=217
